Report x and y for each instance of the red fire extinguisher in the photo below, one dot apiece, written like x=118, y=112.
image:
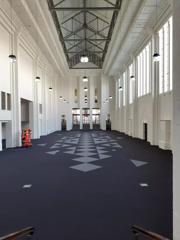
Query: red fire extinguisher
x=26, y=137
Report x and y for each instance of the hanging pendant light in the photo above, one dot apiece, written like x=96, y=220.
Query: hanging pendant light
x=85, y=79
x=132, y=77
x=84, y=59
x=60, y=97
x=50, y=89
x=12, y=56
x=85, y=89
x=120, y=88
x=156, y=57
x=37, y=79
x=110, y=97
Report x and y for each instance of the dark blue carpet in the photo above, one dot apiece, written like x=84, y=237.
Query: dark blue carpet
x=66, y=204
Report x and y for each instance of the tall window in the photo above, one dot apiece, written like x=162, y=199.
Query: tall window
x=144, y=71
x=8, y=101
x=119, y=92
x=3, y=100
x=124, y=88
x=130, y=84
x=75, y=95
x=165, y=64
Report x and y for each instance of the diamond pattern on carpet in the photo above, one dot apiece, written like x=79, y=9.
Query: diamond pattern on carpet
x=86, y=167
x=85, y=159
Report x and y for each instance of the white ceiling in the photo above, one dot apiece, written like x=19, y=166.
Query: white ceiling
x=134, y=25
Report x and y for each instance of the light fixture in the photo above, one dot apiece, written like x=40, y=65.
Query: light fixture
x=37, y=79
x=84, y=59
x=156, y=55
x=110, y=97
x=60, y=97
x=120, y=88
x=85, y=89
x=85, y=79
x=132, y=77
x=12, y=57
x=64, y=100
x=50, y=89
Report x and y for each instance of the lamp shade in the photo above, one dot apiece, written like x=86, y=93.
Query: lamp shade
x=85, y=79
x=85, y=89
x=156, y=57
x=12, y=58
x=37, y=79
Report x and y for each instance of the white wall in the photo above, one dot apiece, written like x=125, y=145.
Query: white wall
x=176, y=121
x=18, y=79
x=72, y=81
x=154, y=109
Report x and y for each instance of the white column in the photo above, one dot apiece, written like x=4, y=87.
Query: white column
x=81, y=123
x=176, y=120
x=15, y=101
x=155, y=91
x=44, y=103
x=136, y=121
x=33, y=106
x=91, y=99
x=81, y=98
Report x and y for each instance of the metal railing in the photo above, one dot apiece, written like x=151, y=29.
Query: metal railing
x=19, y=234
x=137, y=231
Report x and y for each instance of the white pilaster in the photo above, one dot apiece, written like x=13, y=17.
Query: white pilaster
x=15, y=99
x=176, y=120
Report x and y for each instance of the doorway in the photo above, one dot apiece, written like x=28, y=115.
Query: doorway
x=63, y=123
x=145, y=131
x=96, y=118
x=4, y=136
x=76, y=118
x=86, y=118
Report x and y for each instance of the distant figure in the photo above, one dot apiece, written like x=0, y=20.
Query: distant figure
x=63, y=124
x=108, y=123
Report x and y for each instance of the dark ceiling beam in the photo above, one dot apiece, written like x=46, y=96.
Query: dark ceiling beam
x=111, y=28
x=85, y=33
x=57, y=4
x=85, y=9
x=74, y=52
x=97, y=41
x=71, y=34
x=95, y=45
x=72, y=17
x=75, y=45
x=97, y=16
x=57, y=25
x=95, y=32
x=90, y=39
x=110, y=2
